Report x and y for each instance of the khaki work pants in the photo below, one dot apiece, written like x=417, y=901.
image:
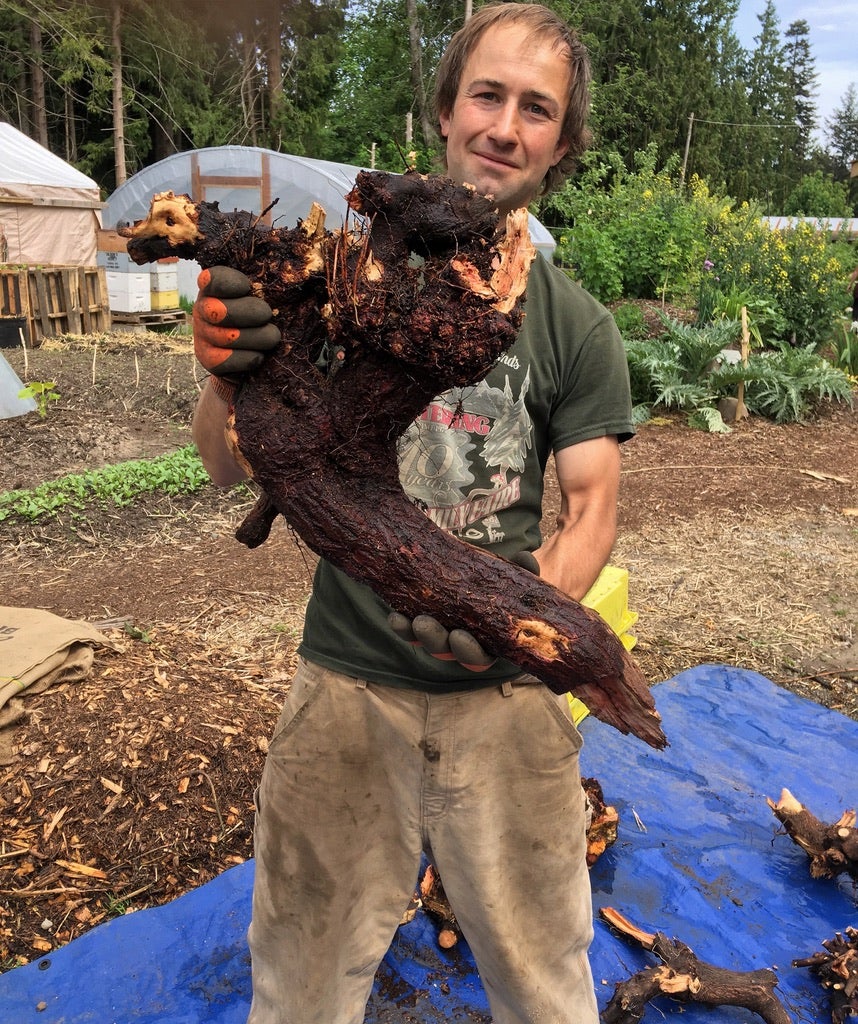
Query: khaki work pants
x=360, y=779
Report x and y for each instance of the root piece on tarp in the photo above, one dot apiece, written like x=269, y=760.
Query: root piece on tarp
x=436, y=904
x=683, y=977
x=604, y=819
x=833, y=849
x=837, y=970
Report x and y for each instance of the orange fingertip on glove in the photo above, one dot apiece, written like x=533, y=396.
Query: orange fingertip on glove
x=210, y=357
x=210, y=310
x=206, y=329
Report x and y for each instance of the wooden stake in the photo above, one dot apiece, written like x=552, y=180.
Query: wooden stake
x=26, y=357
x=741, y=408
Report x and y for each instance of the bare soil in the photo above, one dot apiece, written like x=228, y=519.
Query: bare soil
x=126, y=789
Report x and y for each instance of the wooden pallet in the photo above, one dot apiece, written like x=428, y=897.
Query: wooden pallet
x=150, y=318
x=55, y=300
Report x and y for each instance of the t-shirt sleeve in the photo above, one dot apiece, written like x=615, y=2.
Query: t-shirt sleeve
x=595, y=397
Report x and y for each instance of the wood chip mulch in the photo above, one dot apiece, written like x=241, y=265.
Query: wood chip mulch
x=145, y=792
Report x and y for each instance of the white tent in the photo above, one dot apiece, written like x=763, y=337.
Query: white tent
x=49, y=211
x=249, y=178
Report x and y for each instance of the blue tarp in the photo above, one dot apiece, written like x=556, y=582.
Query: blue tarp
x=703, y=862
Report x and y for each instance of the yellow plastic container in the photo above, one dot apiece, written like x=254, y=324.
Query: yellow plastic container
x=609, y=596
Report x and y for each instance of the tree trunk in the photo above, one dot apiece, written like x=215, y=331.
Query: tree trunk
x=118, y=102
x=322, y=443
x=416, y=65
x=274, y=64
x=37, y=94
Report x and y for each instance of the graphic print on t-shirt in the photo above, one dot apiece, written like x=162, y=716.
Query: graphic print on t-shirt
x=461, y=460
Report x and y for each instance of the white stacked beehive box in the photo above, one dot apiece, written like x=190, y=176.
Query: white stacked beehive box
x=128, y=285
x=164, y=283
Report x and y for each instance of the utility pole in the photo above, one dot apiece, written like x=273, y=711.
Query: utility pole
x=687, y=147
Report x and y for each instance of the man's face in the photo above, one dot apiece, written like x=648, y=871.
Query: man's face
x=503, y=132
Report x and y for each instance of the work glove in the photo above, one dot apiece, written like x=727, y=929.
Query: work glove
x=455, y=644
x=233, y=329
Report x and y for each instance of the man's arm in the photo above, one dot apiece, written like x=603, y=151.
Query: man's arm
x=588, y=474
x=209, y=427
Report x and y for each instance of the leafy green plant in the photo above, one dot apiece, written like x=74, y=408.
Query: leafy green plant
x=708, y=419
x=136, y=633
x=180, y=472
x=675, y=370
x=43, y=392
x=591, y=256
x=115, y=906
x=644, y=233
x=798, y=272
x=630, y=321
x=686, y=369
x=764, y=321
x=786, y=384
x=844, y=349
x=633, y=234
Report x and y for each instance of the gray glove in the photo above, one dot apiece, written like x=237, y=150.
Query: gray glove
x=233, y=330
x=455, y=644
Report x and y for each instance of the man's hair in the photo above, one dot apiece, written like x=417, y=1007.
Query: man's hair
x=546, y=26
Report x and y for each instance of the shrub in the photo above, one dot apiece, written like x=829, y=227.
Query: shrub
x=632, y=234
x=643, y=234
x=793, y=272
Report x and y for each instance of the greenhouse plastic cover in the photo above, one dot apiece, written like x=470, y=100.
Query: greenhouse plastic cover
x=11, y=385
x=699, y=857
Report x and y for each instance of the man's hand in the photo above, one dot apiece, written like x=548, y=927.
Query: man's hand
x=456, y=644
x=232, y=328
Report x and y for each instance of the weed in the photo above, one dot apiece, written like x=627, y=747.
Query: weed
x=43, y=392
x=115, y=905
x=143, y=635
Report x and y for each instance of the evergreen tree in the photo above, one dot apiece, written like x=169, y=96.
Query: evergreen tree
x=772, y=109
x=842, y=131
x=803, y=80
x=375, y=89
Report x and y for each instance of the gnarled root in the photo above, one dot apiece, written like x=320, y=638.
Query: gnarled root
x=832, y=849
x=685, y=978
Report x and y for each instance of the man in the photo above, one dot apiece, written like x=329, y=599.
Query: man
x=389, y=745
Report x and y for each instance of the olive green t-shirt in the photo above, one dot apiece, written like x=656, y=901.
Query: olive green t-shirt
x=475, y=462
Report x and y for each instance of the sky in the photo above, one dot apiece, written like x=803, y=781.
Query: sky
x=833, y=40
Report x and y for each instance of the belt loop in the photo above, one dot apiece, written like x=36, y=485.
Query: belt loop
x=506, y=688
x=360, y=684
